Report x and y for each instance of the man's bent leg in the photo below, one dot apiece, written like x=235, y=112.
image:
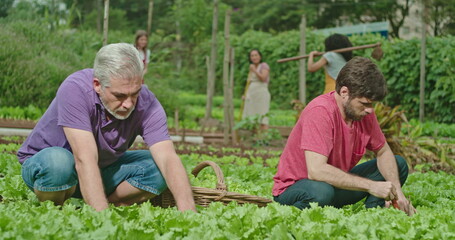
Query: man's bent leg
x=369, y=170
x=134, y=178
x=51, y=174
x=125, y=194
x=304, y=191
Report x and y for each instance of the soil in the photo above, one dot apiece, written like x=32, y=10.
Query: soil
x=17, y=123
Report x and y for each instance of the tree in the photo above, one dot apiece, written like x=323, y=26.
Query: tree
x=273, y=15
x=441, y=16
x=5, y=5
x=386, y=10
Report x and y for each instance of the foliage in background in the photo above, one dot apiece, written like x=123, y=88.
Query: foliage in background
x=52, y=54
x=400, y=66
x=30, y=112
x=414, y=147
x=431, y=129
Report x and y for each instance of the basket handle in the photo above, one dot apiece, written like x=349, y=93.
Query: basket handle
x=220, y=185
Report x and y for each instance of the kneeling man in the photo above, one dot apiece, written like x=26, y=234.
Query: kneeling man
x=319, y=162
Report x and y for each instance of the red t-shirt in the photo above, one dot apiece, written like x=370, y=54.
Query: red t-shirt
x=321, y=129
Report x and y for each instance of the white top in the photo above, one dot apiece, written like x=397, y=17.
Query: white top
x=335, y=62
x=146, y=58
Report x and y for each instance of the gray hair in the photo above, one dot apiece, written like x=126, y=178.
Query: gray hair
x=118, y=61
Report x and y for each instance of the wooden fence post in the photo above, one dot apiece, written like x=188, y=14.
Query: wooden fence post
x=227, y=47
x=302, y=62
x=423, y=47
x=149, y=19
x=211, y=77
x=106, y=21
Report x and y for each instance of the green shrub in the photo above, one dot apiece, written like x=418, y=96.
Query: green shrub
x=400, y=66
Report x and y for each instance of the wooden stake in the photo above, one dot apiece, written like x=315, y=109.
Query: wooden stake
x=149, y=19
x=106, y=22
x=227, y=47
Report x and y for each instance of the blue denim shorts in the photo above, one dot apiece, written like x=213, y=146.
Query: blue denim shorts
x=53, y=169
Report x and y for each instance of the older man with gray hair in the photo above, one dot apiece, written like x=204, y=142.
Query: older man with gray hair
x=79, y=146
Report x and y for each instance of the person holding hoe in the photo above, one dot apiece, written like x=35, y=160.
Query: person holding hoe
x=331, y=61
x=319, y=162
x=79, y=148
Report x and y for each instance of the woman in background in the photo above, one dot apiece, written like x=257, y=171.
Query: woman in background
x=141, y=45
x=257, y=97
x=331, y=61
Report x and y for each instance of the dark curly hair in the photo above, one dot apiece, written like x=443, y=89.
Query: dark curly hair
x=337, y=41
x=363, y=79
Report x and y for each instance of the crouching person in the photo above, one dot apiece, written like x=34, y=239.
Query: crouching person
x=79, y=148
x=319, y=161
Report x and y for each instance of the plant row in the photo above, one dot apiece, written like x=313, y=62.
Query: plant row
x=23, y=217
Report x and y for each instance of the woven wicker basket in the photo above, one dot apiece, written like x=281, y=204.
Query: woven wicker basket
x=205, y=196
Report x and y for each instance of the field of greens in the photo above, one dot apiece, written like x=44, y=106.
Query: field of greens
x=245, y=171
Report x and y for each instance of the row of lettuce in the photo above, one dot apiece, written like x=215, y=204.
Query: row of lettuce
x=23, y=216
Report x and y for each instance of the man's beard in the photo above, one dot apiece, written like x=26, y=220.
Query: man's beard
x=350, y=112
x=114, y=114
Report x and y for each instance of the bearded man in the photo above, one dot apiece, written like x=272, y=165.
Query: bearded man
x=79, y=148
x=319, y=162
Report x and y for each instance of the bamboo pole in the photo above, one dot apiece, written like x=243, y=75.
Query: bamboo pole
x=227, y=47
x=302, y=67
x=211, y=77
x=423, y=47
x=337, y=51
x=149, y=19
x=106, y=22
x=231, y=96
x=98, y=6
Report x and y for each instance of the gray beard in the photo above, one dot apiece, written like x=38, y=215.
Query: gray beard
x=115, y=115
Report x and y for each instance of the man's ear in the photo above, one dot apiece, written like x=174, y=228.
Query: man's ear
x=344, y=92
x=97, y=85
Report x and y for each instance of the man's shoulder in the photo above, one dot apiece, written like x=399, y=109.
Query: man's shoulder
x=322, y=107
x=83, y=79
x=77, y=87
x=147, y=99
x=326, y=101
x=146, y=94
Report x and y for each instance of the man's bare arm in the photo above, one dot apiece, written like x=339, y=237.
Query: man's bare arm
x=85, y=154
x=174, y=173
x=388, y=168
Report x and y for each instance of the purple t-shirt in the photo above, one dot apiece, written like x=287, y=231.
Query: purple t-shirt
x=77, y=105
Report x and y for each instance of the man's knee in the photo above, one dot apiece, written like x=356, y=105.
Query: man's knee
x=50, y=170
x=324, y=196
x=305, y=191
x=59, y=162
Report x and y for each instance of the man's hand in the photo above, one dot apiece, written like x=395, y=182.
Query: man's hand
x=174, y=173
x=385, y=190
x=405, y=205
